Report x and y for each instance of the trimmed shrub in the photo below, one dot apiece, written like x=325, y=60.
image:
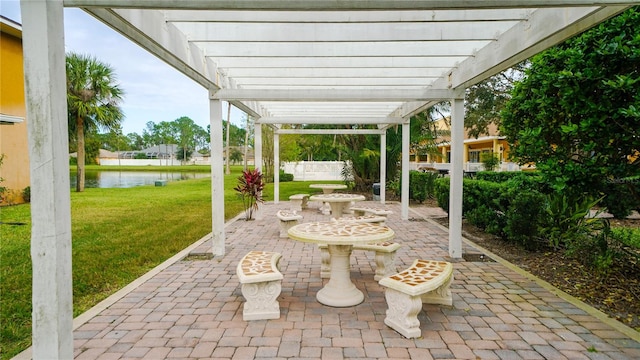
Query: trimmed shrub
x=523, y=218
x=442, y=193
x=285, y=177
x=502, y=176
x=421, y=185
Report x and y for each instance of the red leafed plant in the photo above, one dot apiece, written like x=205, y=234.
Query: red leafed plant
x=250, y=186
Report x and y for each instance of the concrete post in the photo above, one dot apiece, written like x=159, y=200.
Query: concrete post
x=45, y=88
x=383, y=168
x=217, y=178
x=455, y=190
x=404, y=193
x=276, y=168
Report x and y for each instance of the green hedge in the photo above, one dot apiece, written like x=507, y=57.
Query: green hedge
x=285, y=177
x=421, y=185
x=502, y=176
x=509, y=209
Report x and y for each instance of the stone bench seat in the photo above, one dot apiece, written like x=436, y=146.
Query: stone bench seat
x=261, y=281
x=366, y=210
x=365, y=218
x=299, y=202
x=425, y=282
x=287, y=220
x=385, y=258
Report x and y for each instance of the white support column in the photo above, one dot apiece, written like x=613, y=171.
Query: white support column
x=404, y=194
x=217, y=177
x=276, y=168
x=257, y=147
x=383, y=167
x=455, y=190
x=45, y=87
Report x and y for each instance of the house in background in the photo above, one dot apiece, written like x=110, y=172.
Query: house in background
x=474, y=148
x=13, y=123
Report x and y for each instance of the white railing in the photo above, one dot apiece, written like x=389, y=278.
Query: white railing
x=469, y=166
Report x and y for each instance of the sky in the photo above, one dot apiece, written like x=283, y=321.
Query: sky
x=154, y=91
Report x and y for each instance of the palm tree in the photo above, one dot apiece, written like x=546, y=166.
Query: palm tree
x=92, y=101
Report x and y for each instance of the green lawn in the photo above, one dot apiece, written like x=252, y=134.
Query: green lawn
x=118, y=235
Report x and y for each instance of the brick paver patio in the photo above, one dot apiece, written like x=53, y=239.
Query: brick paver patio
x=193, y=308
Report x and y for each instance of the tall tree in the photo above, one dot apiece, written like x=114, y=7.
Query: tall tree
x=486, y=100
x=185, y=131
x=576, y=114
x=93, y=99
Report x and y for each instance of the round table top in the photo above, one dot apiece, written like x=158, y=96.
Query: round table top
x=334, y=197
x=328, y=186
x=339, y=232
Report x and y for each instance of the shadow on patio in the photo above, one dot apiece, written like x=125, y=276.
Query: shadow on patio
x=191, y=307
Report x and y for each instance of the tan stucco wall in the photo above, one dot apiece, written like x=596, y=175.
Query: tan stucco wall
x=13, y=138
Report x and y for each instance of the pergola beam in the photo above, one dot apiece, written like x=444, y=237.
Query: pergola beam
x=347, y=31
x=329, y=120
x=331, y=131
x=329, y=16
x=305, y=5
x=337, y=95
x=338, y=62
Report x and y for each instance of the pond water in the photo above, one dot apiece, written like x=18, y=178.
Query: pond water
x=125, y=179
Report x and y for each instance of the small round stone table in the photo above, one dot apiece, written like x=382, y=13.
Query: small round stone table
x=327, y=189
x=340, y=236
x=338, y=202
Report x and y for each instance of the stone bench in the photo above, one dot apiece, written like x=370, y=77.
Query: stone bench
x=261, y=285
x=299, y=201
x=287, y=220
x=385, y=258
x=365, y=218
x=426, y=281
x=365, y=210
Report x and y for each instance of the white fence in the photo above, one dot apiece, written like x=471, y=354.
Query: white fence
x=314, y=170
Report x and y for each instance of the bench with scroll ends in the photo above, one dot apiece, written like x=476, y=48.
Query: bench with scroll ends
x=261, y=284
x=385, y=258
x=287, y=220
x=366, y=210
x=376, y=219
x=426, y=281
x=299, y=202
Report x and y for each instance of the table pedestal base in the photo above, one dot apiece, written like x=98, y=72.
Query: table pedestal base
x=340, y=291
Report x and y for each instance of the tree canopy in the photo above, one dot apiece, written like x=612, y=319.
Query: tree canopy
x=576, y=113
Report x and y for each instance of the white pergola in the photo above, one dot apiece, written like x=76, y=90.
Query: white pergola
x=282, y=62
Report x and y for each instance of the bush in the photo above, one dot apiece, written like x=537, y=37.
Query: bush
x=442, y=193
x=523, y=218
x=625, y=237
x=490, y=161
x=285, y=177
x=26, y=194
x=566, y=220
x=502, y=176
x=421, y=185
x=619, y=199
